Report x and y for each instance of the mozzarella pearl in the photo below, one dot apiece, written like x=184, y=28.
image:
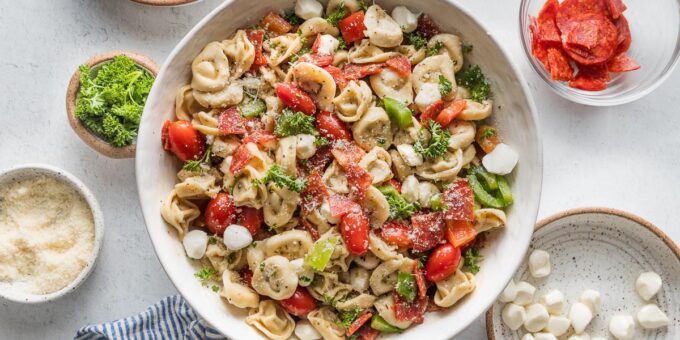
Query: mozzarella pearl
x=651, y=317
x=553, y=302
x=409, y=154
x=237, y=237
x=305, y=331
x=580, y=316
x=525, y=293
x=501, y=160
x=583, y=336
x=407, y=20
x=558, y=325
x=648, y=284
x=195, y=242
x=622, y=327
x=305, y=274
x=513, y=316
x=327, y=44
x=307, y=9
x=539, y=263
x=544, y=336
x=426, y=191
x=427, y=95
x=592, y=299
x=537, y=318
x=509, y=293
x=305, y=147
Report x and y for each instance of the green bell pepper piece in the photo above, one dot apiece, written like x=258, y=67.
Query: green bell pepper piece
x=398, y=112
x=488, y=178
x=504, y=188
x=253, y=108
x=379, y=324
x=406, y=286
x=485, y=198
x=318, y=258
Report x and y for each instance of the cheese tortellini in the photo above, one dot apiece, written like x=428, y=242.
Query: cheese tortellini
x=314, y=80
x=381, y=29
x=275, y=277
x=270, y=319
x=236, y=293
x=429, y=70
x=354, y=101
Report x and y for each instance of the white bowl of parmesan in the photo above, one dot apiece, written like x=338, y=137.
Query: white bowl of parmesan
x=51, y=230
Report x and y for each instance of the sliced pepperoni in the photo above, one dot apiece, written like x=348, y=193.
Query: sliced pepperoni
x=570, y=9
x=356, y=72
x=590, y=39
x=259, y=137
x=428, y=230
x=591, y=78
x=622, y=63
x=359, y=180
x=616, y=8
x=316, y=59
x=337, y=75
x=624, y=38
x=547, y=28
x=231, y=122
x=459, y=200
x=319, y=161
x=401, y=64
x=368, y=333
x=409, y=311
x=420, y=280
x=537, y=49
x=347, y=152
x=256, y=37
x=560, y=69
x=240, y=158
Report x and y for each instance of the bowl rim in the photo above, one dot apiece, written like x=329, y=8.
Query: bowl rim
x=516, y=71
x=165, y=3
x=92, y=140
x=571, y=94
x=97, y=215
x=491, y=335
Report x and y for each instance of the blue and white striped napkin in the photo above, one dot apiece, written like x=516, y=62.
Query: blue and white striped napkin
x=171, y=318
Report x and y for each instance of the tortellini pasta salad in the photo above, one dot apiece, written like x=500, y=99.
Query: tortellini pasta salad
x=339, y=171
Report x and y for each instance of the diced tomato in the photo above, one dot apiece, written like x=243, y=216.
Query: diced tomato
x=260, y=137
x=182, y=139
x=338, y=76
x=275, y=23
x=420, y=280
x=331, y=127
x=352, y=27
x=256, y=37
x=360, y=321
x=316, y=59
x=247, y=277
x=560, y=69
x=622, y=63
x=358, y=180
x=459, y=201
x=368, y=333
x=220, y=213
x=448, y=114
x=231, y=122
x=341, y=205
x=395, y=184
x=240, y=158
x=548, y=32
x=354, y=228
x=487, y=138
x=442, y=263
x=427, y=27
x=295, y=98
x=428, y=230
x=300, y=304
x=356, y=72
x=398, y=233
x=400, y=64
x=432, y=110
x=250, y=218
x=347, y=153
x=319, y=161
x=591, y=78
x=409, y=311
x=616, y=8
x=460, y=233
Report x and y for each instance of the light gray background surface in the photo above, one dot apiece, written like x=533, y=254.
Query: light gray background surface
x=625, y=157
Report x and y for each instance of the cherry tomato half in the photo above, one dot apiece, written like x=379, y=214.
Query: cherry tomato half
x=442, y=263
x=331, y=127
x=220, y=213
x=354, y=229
x=183, y=140
x=250, y=218
x=295, y=98
x=300, y=304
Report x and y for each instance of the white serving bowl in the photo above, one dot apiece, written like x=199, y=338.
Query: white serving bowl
x=27, y=171
x=515, y=117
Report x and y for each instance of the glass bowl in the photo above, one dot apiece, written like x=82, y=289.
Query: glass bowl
x=655, y=29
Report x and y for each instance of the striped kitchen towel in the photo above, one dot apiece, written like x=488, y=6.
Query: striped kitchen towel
x=171, y=318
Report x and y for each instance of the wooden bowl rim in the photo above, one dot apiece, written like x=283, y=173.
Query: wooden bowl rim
x=82, y=131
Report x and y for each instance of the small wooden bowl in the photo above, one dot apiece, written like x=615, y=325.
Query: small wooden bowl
x=165, y=2
x=94, y=141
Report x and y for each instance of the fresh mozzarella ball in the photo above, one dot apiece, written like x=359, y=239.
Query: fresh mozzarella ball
x=429, y=94
x=307, y=9
x=525, y=293
x=237, y=237
x=622, y=327
x=537, y=318
x=409, y=189
x=592, y=299
x=195, y=242
x=651, y=317
x=305, y=146
x=513, y=316
x=528, y=336
x=539, y=263
x=327, y=44
x=544, y=336
x=509, y=293
x=426, y=191
x=558, y=325
x=407, y=20
x=305, y=331
x=583, y=336
x=553, y=302
x=501, y=160
x=409, y=154
x=359, y=278
x=648, y=284
x=305, y=274
x=580, y=316
x=325, y=211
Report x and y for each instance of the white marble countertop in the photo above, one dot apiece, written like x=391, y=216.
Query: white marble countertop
x=625, y=157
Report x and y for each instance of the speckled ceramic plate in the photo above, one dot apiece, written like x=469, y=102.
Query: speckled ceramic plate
x=605, y=250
